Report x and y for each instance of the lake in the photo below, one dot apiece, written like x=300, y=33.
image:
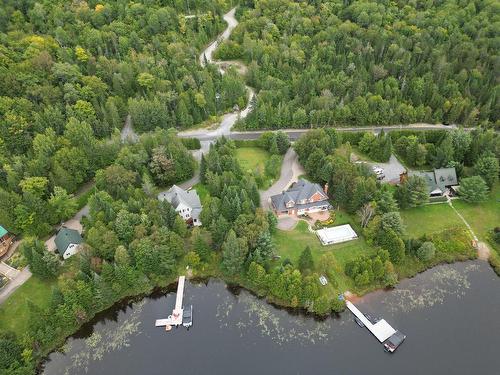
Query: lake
x=450, y=314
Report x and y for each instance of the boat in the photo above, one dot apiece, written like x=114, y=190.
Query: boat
x=393, y=342
x=359, y=322
x=187, y=317
x=372, y=319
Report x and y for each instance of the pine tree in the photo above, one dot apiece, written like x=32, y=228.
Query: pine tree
x=203, y=169
x=306, y=261
x=234, y=253
x=264, y=248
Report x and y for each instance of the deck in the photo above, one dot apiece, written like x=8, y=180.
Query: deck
x=176, y=318
x=381, y=330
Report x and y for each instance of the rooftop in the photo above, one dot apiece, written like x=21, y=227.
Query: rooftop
x=176, y=195
x=299, y=191
x=65, y=237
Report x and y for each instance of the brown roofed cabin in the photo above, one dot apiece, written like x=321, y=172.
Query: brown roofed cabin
x=302, y=197
x=5, y=240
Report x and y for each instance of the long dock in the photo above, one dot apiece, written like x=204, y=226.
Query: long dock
x=381, y=330
x=176, y=318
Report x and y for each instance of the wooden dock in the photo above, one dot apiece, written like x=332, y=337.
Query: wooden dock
x=176, y=318
x=381, y=330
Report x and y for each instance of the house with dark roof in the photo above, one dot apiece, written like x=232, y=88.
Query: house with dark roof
x=302, y=197
x=438, y=180
x=186, y=202
x=67, y=242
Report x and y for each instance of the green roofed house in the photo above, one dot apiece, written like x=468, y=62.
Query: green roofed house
x=3, y=234
x=67, y=242
x=438, y=180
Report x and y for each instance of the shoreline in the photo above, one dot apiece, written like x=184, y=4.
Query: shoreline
x=234, y=287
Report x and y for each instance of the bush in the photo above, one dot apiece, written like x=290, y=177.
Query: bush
x=494, y=260
x=191, y=143
x=426, y=252
x=437, y=199
x=473, y=189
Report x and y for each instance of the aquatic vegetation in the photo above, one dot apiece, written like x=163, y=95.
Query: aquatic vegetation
x=433, y=288
x=107, y=339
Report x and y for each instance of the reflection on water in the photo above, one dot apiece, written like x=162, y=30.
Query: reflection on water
x=256, y=315
x=427, y=291
x=106, y=340
x=232, y=328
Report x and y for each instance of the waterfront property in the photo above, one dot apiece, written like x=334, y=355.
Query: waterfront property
x=438, y=180
x=301, y=198
x=186, y=202
x=338, y=234
x=67, y=242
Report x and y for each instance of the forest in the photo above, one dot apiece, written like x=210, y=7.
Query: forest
x=354, y=63
x=70, y=72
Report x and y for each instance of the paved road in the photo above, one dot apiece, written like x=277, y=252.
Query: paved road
x=15, y=283
x=8, y=271
x=291, y=169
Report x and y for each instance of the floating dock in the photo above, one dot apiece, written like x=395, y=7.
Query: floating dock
x=381, y=330
x=176, y=318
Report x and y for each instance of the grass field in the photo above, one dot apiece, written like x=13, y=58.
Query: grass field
x=14, y=312
x=484, y=216
x=254, y=159
x=290, y=244
x=429, y=219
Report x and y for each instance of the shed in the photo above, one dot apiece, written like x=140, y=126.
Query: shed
x=67, y=241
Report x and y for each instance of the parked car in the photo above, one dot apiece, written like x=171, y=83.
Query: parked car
x=377, y=170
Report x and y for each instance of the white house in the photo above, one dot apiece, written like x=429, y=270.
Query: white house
x=186, y=203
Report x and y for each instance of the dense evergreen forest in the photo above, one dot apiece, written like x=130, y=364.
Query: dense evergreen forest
x=344, y=62
x=70, y=72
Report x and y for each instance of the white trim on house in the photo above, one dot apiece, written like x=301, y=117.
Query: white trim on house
x=71, y=250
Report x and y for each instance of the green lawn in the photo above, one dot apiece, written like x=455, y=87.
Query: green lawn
x=484, y=216
x=429, y=219
x=14, y=312
x=254, y=159
x=251, y=158
x=290, y=244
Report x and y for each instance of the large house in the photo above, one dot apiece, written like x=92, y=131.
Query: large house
x=186, y=203
x=438, y=180
x=67, y=242
x=302, y=197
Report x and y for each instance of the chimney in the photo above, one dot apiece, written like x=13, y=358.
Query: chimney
x=325, y=189
x=403, y=176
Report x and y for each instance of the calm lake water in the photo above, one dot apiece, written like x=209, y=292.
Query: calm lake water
x=450, y=314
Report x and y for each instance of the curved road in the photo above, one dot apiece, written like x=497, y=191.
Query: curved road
x=229, y=119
